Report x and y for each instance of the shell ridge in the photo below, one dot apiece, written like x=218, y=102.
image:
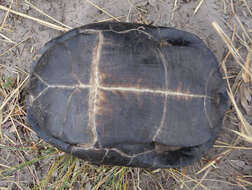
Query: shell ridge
x=94, y=82
x=139, y=29
x=33, y=99
x=81, y=85
x=41, y=80
x=205, y=109
x=68, y=104
x=103, y=158
x=74, y=75
x=146, y=90
x=164, y=63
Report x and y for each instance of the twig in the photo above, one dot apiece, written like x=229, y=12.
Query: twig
x=245, y=76
x=247, y=6
x=213, y=161
x=241, y=25
x=197, y=8
x=11, y=48
x=175, y=6
x=7, y=39
x=43, y=13
x=6, y=15
x=204, y=176
x=104, y=11
x=48, y=24
x=231, y=48
x=13, y=93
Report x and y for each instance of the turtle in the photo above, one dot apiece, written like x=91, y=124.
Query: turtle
x=127, y=94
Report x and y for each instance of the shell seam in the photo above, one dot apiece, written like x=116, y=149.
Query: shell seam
x=93, y=94
x=165, y=101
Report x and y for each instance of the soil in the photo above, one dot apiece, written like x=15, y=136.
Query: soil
x=179, y=14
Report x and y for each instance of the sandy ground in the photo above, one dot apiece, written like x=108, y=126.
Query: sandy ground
x=179, y=14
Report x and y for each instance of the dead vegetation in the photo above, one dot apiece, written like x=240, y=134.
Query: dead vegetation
x=26, y=162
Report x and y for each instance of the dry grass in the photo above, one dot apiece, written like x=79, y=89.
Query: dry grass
x=66, y=172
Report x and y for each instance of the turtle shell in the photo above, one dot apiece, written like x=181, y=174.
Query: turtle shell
x=127, y=94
